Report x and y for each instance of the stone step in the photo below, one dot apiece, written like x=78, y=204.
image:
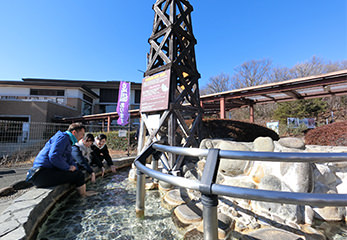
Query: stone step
x=175, y=198
x=272, y=233
x=225, y=225
x=189, y=213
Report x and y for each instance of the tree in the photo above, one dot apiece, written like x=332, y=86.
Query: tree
x=252, y=73
x=316, y=66
x=299, y=109
x=220, y=83
x=279, y=74
x=313, y=67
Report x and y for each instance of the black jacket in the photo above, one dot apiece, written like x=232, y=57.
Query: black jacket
x=98, y=155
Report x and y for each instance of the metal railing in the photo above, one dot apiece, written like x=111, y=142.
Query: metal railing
x=21, y=140
x=210, y=190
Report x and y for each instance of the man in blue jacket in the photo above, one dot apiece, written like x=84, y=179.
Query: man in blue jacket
x=54, y=166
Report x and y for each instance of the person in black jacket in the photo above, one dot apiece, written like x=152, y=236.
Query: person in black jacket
x=80, y=153
x=100, y=153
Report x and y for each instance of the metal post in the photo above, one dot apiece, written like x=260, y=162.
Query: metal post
x=210, y=218
x=140, y=137
x=210, y=201
x=155, y=164
x=129, y=128
x=140, y=195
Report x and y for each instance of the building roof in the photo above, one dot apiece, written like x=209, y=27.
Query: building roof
x=89, y=84
x=324, y=85
x=83, y=84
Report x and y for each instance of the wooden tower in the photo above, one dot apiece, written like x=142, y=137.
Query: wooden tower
x=172, y=51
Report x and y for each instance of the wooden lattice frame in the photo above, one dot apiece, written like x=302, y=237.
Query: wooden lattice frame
x=172, y=47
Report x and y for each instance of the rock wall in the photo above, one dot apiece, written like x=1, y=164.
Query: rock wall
x=248, y=216
x=281, y=176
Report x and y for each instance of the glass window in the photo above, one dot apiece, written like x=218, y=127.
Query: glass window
x=137, y=96
x=47, y=92
x=86, y=108
x=108, y=95
x=87, y=98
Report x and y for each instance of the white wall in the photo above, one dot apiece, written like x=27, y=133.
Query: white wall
x=14, y=91
x=73, y=93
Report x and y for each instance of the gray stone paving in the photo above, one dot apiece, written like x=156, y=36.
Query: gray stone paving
x=10, y=181
x=20, y=217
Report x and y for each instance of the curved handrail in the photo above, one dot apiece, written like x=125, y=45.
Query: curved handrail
x=258, y=156
x=173, y=180
x=312, y=199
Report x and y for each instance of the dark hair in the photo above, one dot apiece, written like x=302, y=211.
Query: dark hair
x=88, y=137
x=76, y=126
x=101, y=136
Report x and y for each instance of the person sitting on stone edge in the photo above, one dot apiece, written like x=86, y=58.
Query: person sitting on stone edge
x=54, y=165
x=81, y=154
x=100, y=153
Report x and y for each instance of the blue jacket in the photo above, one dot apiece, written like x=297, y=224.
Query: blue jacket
x=56, y=153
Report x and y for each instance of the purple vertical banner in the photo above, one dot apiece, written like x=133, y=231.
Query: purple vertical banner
x=123, y=103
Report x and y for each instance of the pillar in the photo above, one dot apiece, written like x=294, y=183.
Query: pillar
x=108, y=123
x=222, y=107
x=251, y=113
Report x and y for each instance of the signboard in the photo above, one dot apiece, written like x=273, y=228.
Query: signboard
x=153, y=122
x=296, y=122
x=274, y=126
x=155, y=92
x=123, y=103
x=309, y=122
x=122, y=133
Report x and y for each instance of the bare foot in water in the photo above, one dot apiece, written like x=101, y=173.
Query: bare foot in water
x=90, y=193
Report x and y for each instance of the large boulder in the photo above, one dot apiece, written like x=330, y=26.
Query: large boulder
x=236, y=130
x=292, y=142
x=228, y=167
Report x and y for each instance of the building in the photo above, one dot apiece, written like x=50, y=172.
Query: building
x=50, y=100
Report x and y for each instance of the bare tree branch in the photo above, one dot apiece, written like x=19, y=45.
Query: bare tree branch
x=216, y=84
x=252, y=73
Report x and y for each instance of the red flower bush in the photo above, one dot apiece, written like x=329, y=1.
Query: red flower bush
x=334, y=134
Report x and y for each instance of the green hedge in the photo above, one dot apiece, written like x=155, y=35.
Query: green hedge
x=118, y=143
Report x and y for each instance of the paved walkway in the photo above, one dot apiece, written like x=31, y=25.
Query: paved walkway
x=9, y=177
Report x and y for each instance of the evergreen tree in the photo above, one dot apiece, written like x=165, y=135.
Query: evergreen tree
x=300, y=109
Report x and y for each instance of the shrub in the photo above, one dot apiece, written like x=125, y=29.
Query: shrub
x=299, y=109
x=334, y=134
x=288, y=130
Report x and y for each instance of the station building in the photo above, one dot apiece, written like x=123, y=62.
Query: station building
x=50, y=100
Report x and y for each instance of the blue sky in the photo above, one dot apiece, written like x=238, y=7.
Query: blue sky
x=107, y=39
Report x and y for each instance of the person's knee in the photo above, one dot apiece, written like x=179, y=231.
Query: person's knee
x=79, y=178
